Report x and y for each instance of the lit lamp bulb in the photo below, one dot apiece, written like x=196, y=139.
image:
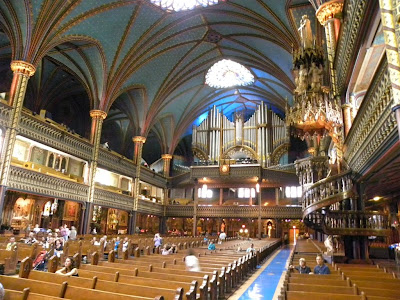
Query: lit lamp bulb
x=246, y=230
x=241, y=230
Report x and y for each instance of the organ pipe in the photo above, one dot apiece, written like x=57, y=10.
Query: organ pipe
x=262, y=133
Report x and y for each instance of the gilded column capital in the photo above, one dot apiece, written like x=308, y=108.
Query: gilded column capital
x=328, y=11
x=23, y=67
x=346, y=105
x=139, y=139
x=96, y=113
x=166, y=156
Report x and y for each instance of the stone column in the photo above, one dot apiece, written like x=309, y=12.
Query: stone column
x=167, y=163
x=326, y=15
x=98, y=117
x=22, y=71
x=221, y=196
x=392, y=52
x=137, y=158
x=347, y=118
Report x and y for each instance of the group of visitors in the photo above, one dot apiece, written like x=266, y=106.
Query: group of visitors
x=320, y=268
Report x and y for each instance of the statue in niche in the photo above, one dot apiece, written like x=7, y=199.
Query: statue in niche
x=316, y=75
x=305, y=32
x=329, y=244
x=301, y=80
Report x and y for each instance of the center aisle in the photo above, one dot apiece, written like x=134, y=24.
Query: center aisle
x=265, y=284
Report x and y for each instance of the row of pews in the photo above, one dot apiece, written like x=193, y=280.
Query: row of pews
x=145, y=275
x=346, y=281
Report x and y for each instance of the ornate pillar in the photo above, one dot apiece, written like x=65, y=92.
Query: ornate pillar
x=195, y=202
x=277, y=196
x=221, y=196
x=132, y=222
x=326, y=15
x=259, y=214
x=347, y=118
x=137, y=158
x=167, y=163
x=98, y=117
x=392, y=52
x=22, y=71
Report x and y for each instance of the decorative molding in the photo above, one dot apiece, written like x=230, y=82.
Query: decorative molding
x=328, y=10
x=346, y=48
x=148, y=207
x=115, y=200
x=374, y=124
x=25, y=180
x=234, y=211
x=23, y=67
x=139, y=139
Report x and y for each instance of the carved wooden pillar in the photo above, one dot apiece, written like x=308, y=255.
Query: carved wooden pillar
x=195, y=202
x=137, y=158
x=132, y=222
x=221, y=196
x=326, y=15
x=167, y=163
x=277, y=196
x=98, y=117
x=347, y=118
x=22, y=71
x=392, y=52
x=259, y=214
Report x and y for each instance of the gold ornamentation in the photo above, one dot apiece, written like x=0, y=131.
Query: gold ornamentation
x=328, y=11
x=224, y=169
x=23, y=67
x=139, y=139
x=96, y=113
x=166, y=156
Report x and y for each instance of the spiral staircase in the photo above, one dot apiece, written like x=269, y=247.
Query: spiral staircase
x=327, y=207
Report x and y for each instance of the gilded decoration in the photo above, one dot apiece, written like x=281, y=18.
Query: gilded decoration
x=166, y=156
x=23, y=67
x=139, y=139
x=98, y=114
x=329, y=10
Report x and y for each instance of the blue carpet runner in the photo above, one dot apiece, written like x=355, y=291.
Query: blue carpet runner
x=264, y=286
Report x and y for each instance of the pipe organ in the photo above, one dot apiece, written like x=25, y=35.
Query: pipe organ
x=217, y=138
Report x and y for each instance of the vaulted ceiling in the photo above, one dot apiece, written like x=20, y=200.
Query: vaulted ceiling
x=144, y=66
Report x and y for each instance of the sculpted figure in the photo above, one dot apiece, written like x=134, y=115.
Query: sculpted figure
x=301, y=80
x=305, y=32
x=315, y=74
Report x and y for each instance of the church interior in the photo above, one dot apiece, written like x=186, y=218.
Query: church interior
x=200, y=128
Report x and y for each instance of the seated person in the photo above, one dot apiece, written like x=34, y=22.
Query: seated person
x=321, y=268
x=125, y=244
x=192, y=262
x=251, y=249
x=302, y=268
x=58, y=248
x=11, y=244
x=211, y=246
x=116, y=244
x=69, y=268
x=168, y=249
x=31, y=239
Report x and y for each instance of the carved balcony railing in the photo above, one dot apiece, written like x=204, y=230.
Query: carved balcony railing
x=375, y=124
x=50, y=133
x=234, y=211
x=326, y=192
x=149, y=207
x=322, y=200
x=356, y=223
x=30, y=181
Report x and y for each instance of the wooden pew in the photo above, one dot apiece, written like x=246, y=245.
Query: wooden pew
x=9, y=260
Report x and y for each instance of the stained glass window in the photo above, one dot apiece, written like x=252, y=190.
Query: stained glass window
x=227, y=73
x=179, y=5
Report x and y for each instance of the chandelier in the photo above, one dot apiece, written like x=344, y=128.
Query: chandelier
x=227, y=73
x=180, y=5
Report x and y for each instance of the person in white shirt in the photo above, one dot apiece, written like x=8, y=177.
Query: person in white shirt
x=251, y=249
x=192, y=262
x=36, y=229
x=222, y=237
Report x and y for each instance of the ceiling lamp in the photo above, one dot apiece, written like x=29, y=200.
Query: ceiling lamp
x=227, y=73
x=179, y=5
